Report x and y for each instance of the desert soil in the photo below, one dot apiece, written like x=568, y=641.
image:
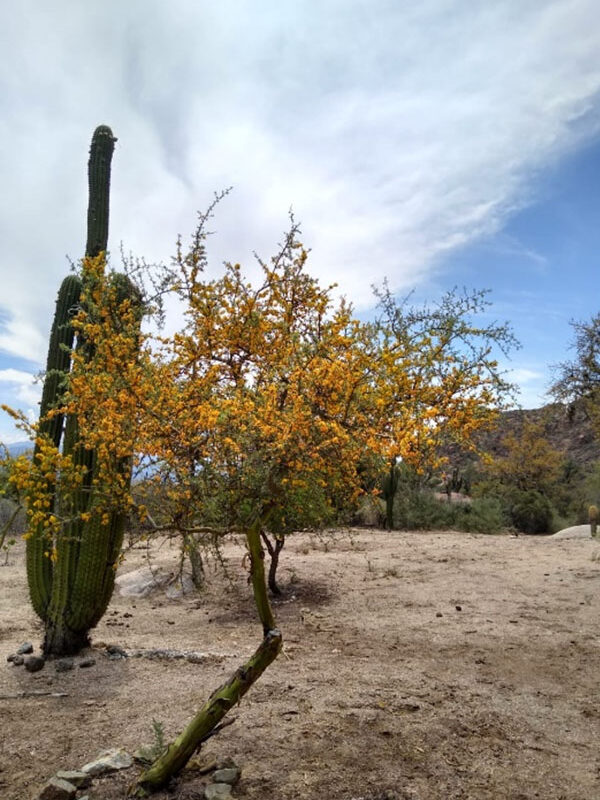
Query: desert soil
x=416, y=665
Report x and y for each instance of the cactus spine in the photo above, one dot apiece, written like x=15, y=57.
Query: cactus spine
x=71, y=592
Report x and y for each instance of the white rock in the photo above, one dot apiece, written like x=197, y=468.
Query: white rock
x=58, y=789
x=217, y=791
x=574, y=532
x=109, y=761
x=180, y=587
x=140, y=582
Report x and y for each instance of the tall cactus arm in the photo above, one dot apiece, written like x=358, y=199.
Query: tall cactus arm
x=39, y=566
x=101, y=151
x=59, y=356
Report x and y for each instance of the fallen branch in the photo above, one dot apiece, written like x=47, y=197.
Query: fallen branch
x=32, y=693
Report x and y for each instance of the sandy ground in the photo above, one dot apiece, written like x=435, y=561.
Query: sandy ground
x=416, y=665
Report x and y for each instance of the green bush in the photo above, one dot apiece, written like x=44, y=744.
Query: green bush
x=482, y=515
x=419, y=509
x=531, y=512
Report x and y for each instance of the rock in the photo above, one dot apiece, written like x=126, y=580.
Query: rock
x=439, y=614
x=88, y=661
x=142, y=756
x=109, y=761
x=574, y=532
x=64, y=665
x=15, y=659
x=81, y=780
x=141, y=582
x=202, y=764
x=196, y=658
x=24, y=649
x=180, y=587
x=58, y=789
x=157, y=652
x=33, y=663
x=217, y=791
x=115, y=651
x=230, y=775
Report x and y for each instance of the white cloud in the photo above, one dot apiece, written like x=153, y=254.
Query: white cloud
x=397, y=131
x=532, y=383
x=22, y=385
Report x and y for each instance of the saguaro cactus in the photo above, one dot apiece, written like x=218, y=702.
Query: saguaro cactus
x=71, y=590
x=390, y=486
x=593, y=518
x=101, y=152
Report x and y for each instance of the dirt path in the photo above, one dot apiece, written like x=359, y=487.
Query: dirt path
x=422, y=666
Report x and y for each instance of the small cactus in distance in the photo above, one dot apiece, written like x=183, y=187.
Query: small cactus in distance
x=390, y=487
x=593, y=518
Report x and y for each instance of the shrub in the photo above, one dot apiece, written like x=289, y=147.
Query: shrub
x=531, y=512
x=482, y=515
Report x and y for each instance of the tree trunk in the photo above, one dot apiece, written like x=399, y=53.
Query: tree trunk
x=212, y=712
x=274, y=551
x=60, y=640
x=193, y=551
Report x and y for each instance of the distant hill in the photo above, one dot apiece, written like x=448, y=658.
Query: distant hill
x=17, y=448
x=567, y=428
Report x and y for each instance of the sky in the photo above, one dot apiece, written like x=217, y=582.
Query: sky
x=433, y=144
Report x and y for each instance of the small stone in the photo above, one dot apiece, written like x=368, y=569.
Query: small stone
x=217, y=791
x=226, y=763
x=109, y=761
x=439, y=614
x=458, y=608
x=64, y=665
x=115, y=650
x=34, y=663
x=58, y=789
x=81, y=780
x=24, y=649
x=88, y=661
x=202, y=764
x=230, y=775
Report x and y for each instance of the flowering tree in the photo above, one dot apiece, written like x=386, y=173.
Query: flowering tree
x=269, y=394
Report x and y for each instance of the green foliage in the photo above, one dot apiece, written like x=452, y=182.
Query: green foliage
x=421, y=509
x=531, y=512
x=529, y=461
x=482, y=515
x=579, y=379
x=148, y=754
